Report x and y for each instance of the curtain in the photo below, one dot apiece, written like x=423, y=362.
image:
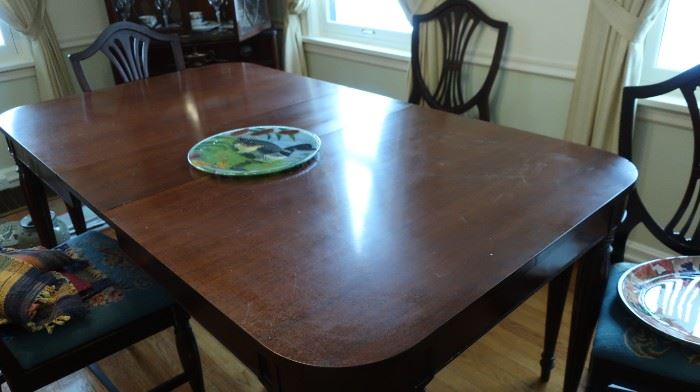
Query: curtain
x=430, y=49
x=29, y=17
x=294, y=59
x=610, y=58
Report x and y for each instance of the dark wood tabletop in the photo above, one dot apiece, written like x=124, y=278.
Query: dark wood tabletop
x=410, y=235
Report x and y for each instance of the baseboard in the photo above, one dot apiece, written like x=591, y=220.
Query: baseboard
x=637, y=251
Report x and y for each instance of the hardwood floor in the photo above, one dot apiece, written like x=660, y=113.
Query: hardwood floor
x=506, y=359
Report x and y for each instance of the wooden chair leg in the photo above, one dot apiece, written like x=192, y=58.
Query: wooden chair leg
x=14, y=386
x=556, y=298
x=187, y=350
x=75, y=211
x=595, y=379
x=484, y=111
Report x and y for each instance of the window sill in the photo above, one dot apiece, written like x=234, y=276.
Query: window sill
x=400, y=59
x=665, y=110
x=16, y=70
x=667, y=103
x=352, y=51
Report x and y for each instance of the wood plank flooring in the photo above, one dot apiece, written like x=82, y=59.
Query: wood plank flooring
x=506, y=359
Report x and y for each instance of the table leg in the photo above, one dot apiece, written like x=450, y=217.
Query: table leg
x=556, y=299
x=588, y=297
x=37, y=204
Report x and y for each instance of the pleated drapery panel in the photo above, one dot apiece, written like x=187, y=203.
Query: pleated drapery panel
x=294, y=58
x=431, y=49
x=610, y=58
x=29, y=17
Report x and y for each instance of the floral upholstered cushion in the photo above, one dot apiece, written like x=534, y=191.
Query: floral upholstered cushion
x=626, y=341
x=134, y=296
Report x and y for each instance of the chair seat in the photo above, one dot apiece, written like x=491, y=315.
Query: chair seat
x=625, y=342
x=140, y=296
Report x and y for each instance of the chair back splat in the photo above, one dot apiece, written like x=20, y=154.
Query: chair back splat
x=126, y=46
x=457, y=21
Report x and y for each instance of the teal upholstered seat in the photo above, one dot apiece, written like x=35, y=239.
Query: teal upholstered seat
x=139, y=297
x=631, y=346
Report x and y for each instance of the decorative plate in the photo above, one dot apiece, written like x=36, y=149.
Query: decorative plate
x=665, y=294
x=254, y=150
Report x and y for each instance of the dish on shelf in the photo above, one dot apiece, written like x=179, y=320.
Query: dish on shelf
x=206, y=25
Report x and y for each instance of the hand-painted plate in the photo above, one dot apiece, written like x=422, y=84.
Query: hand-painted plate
x=665, y=294
x=254, y=150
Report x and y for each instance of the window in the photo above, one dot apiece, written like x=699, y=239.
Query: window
x=14, y=48
x=372, y=22
x=678, y=42
x=672, y=42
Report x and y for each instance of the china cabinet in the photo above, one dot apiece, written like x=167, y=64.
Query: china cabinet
x=244, y=33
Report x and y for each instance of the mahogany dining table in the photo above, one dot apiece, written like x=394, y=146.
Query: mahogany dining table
x=408, y=237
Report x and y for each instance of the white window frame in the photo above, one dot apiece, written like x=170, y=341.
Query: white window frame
x=651, y=73
x=319, y=25
x=16, y=52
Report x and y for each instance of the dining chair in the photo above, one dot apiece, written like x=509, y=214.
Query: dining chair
x=626, y=352
x=457, y=22
x=30, y=360
x=126, y=45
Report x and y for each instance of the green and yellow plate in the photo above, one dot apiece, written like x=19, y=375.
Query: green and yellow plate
x=254, y=151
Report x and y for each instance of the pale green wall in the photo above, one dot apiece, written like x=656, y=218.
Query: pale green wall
x=18, y=92
x=533, y=103
x=380, y=80
x=539, y=104
x=14, y=93
x=24, y=91
x=97, y=70
x=664, y=162
x=525, y=101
